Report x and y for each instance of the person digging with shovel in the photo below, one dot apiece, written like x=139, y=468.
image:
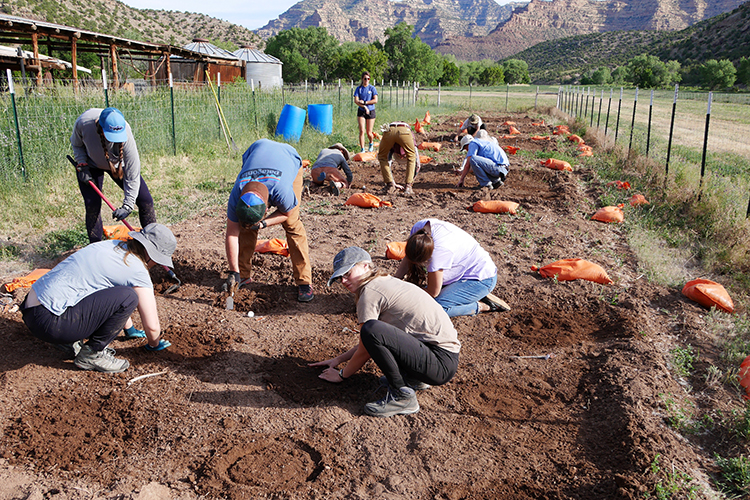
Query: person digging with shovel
x=271, y=174
x=102, y=142
x=90, y=296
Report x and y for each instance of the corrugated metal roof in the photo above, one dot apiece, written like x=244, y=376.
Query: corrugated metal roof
x=209, y=49
x=255, y=56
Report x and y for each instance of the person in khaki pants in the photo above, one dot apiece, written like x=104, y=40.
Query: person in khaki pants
x=398, y=139
x=271, y=175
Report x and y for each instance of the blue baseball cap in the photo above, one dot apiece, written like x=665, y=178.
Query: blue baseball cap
x=112, y=122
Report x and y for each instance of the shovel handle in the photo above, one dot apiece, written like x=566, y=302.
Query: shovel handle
x=99, y=192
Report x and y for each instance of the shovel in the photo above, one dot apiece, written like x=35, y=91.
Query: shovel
x=230, y=299
x=171, y=273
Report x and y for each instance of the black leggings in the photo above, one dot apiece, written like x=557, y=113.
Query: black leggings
x=399, y=354
x=93, y=203
x=98, y=317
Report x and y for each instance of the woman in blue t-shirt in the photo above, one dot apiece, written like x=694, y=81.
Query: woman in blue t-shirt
x=365, y=96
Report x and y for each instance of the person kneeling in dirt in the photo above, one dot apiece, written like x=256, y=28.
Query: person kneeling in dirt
x=102, y=141
x=471, y=125
x=327, y=165
x=487, y=160
x=406, y=333
x=460, y=274
x=271, y=175
x=398, y=139
x=91, y=295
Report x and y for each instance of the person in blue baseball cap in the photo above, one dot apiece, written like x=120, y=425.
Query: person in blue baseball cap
x=271, y=175
x=102, y=142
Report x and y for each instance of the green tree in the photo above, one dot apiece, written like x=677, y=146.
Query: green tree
x=619, y=75
x=718, y=74
x=308, y=54
x=366, y=58
x=648, y=72
x=470, y=71
x=492, y=76
x=409, y=58
x=451, y=73
x=601, y=76
x=516, y=71
x=743, y=71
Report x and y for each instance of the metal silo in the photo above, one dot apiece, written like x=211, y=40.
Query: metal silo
x=262, y=69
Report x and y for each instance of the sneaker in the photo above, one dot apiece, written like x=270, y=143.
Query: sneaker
x=335, y=191
x=495, y=303
x=304, y=293
x=245, y=282
x=69, y=350
x=415, y=384
x=306, y=186
x=133, y=333
x=101, y=361
x=371, y=148
x=401, y=401
x=408, y=191
x=362, y=150
x=496, y=184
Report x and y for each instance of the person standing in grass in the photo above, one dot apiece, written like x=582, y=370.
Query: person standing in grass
x=327, y=166
x=271, y=174
x=365, y=97
x=460, y=274
x=102, y=142
x=91, y=295
x=406, y=333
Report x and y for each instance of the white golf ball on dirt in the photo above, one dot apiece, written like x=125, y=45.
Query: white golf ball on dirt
x=250, y=314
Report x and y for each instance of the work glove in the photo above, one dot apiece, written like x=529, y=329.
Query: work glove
x=121, y=212
x=83, y=173
x=163, y=344
x=233, y=280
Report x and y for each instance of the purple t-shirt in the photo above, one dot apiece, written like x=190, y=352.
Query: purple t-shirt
x=456, y=253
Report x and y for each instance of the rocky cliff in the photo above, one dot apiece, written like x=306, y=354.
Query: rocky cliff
x=543, y=20
x=367, y=20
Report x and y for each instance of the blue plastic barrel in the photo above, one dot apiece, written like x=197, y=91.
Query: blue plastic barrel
x=291, y=121
x=320, y=117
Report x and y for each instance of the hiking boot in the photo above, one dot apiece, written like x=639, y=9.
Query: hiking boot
x=401, y=401
x=496, y=184
x=70, y=351
x=101, y=361
x=304, y=293
x=495, y=303
x=415, y=384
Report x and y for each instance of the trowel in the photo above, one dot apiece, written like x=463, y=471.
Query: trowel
x=230, y=299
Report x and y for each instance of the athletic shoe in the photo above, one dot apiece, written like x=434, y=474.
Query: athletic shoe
x=495, y=303
x=133, y=333
x=496, y=184
x=362, y=150
x=401, y=401
x=246, y=282
x=69, y=350
x=415, y=384
x=101, y=361
x=371, y=148
x=335, y=189
x=304, y=293
x=408, y=191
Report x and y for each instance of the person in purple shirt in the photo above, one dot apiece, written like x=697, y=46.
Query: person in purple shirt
x=460, y=274
x=365, y=96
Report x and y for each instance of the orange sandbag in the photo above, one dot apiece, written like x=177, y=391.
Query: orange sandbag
x=495, y=207
x=540, y=138
x=418, y=127
x=584, y=147
x=25, y=281
x=367, y=156
x=424, y=159
x=609, y=214
x=511, y=150
x=744, y=377
x=426, y=120
x=274, y=245
x=561, y=130
x=587, y=152
x=637, y=200
x=513, y=130
x=709, y=294
x=395, y=250
x=118, y=232
x=367, y=200
x=509, y=123
x=305, y=163
x=620, y=185
x=538, y=124
x=556, y=164
x=575, y=138
x=574, y=269
x=508, y=137
x=432, y=146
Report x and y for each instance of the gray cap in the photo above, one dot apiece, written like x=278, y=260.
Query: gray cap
x=159, y=242
x=346, y=259
x=466, y=140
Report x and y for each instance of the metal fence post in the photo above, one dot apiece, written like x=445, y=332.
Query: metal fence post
x=599, y=114
x=438, y=103
x=671, y=131
x=104, y=86
x=648, y=133
x=507, y=91
x=619, y=107
x=12, y=91
x=632, y=123
x=609, y=107
x=171, y=99
x=705, y=146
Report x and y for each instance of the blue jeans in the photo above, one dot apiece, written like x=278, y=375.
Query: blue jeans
x=460, y=297
x=486, y=170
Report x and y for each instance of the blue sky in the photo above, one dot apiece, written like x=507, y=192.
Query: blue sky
x=252, y=14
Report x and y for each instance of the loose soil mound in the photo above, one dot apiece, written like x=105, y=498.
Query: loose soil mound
x=238, y=414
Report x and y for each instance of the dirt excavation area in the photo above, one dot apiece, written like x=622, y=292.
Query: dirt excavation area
x=563, y=397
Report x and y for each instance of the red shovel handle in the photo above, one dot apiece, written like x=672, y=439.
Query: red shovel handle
x=101, y=195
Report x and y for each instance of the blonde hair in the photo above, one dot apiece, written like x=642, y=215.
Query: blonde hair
x=136, y=248
x=373, y=273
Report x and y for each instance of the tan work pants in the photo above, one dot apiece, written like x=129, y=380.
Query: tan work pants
x=402, y=136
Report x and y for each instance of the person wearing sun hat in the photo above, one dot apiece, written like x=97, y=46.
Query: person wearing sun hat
x=90, y=296
x=102, y=141
x=487, y=160
x=405, y=332
x=271, y=176
x=327, y=165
